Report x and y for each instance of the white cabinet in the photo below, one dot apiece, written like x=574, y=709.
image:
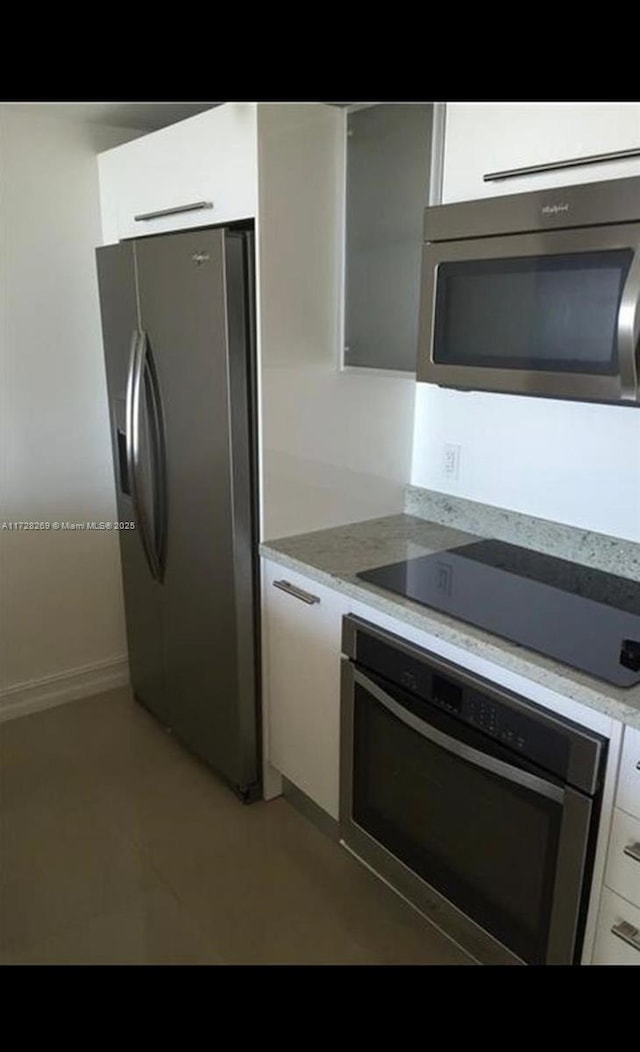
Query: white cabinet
x=618, y=938
x=618, y=935
x=629, y=780
x=203, y=170
x=486, y=137
x=301, y=643
x=623, y=858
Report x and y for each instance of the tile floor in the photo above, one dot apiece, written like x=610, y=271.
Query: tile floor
x=118, y=847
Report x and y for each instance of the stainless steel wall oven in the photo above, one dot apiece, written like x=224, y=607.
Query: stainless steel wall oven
x=475, y=804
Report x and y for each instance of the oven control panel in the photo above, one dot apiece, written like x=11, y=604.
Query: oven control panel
x=493, y=720
x=509, y=725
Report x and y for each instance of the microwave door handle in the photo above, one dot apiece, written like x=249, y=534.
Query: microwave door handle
x=629, y=330
x=461, y=749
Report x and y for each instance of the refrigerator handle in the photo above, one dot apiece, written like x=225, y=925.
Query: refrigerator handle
x=134, y=394
x=127, y=433
x=158, y=456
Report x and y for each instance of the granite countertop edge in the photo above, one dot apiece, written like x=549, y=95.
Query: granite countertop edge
x=314, y=555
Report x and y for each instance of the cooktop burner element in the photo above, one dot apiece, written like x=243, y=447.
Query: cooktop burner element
x=586, y=618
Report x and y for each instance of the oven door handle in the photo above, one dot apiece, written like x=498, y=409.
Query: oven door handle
x=458, y=748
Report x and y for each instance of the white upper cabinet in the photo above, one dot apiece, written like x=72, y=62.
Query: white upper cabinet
x=208, y=161
x=482, y=138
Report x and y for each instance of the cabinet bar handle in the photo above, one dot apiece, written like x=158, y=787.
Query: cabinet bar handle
x=627, y=933
x=552, y=166
x=633, y=851
x=297, y=593
x=195, y=207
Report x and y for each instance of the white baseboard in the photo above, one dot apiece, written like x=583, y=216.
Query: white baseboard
x=24, y=698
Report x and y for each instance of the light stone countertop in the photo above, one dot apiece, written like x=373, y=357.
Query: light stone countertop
x=334, y=556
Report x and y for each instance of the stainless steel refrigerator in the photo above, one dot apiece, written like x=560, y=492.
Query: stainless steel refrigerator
x=178, y=333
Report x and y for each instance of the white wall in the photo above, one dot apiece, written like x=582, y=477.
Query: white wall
x=339, y=447
x=570, y=462
x=60, y=593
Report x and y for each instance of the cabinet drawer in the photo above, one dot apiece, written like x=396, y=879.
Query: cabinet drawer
x=616, y=913
x=628, y=797
x=623, y=864
x=208, y=160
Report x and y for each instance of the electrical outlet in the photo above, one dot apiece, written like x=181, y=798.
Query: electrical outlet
x=451, y=461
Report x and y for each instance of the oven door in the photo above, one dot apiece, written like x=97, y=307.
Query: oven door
x=554, y=313
x=489, y=847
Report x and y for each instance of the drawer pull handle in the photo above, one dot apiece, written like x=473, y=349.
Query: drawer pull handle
x=633, y=851
x=297, y=593
x=197, y=206
x=627, y=933
x=553, y=166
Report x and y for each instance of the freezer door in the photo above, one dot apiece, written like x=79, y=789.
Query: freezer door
x=142, y=591
x=193, y=294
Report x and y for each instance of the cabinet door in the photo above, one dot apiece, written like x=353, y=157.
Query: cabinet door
x=487, y=137
x=618, y=935
x=628, y=797
x=388, y=159
x=302, y=660
x=203, y=169
x=623, y=858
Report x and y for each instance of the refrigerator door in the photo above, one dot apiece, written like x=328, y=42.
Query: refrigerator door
x=194, y=293
x=122, y=346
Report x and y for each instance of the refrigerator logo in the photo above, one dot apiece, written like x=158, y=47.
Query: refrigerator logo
x=200, y=257
x=554, y=210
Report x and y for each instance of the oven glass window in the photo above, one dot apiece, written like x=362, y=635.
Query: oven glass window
x=556, y=313
x=488, y=845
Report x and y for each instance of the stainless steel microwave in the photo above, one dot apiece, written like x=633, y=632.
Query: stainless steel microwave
x=535, y=293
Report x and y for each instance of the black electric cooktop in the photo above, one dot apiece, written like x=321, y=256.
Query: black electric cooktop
x=584, y=617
